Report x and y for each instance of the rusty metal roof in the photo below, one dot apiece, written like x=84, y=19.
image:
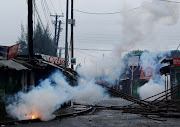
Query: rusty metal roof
x=12, y=65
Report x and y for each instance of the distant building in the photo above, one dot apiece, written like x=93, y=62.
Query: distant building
x=135, y=76
x=173, y=71
x=18, y=74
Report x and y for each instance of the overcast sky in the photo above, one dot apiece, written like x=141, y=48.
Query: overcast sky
x=94, y=31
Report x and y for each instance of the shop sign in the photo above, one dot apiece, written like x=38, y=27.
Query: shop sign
x=176, y=62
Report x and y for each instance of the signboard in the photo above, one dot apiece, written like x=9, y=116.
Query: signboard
x=13, y=50
x=3, y=52
x=71, y=21
x=73, y=61
x=133, y=61
x=176, y=62
x=52, y=59
x=148, y=73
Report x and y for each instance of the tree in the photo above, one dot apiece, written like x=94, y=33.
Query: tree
x=43, y=43
x=23, y=42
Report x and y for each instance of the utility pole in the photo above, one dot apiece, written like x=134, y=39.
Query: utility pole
x=60, y=50
x=56, y=18
x=59, y=30
x=72, y=32
x=55, y=26
x=56, y=36
x=66, y=36
x=30, y=29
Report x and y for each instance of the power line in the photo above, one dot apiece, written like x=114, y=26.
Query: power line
x=95, y=13
x=40, y=19
x=59, y=1
x=176, y=50
x=46, y=14
x=53, y=6
x=47, y=7
x=110, y=13
x=169, y=1
x=119, y=12
x=38, y=15
x=94, y=49
x=85, y=53
x=90, y=49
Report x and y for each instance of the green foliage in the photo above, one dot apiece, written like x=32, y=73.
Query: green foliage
x=135, y=52
x=43, y=43
x=23, y=42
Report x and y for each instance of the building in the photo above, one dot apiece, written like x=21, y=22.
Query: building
x=172, y=70
x=135, y=76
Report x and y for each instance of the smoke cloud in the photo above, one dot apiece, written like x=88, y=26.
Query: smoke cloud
x=162, y=10
x=107, y=69
x=138, y=25
x=51, y=93
x=149, y=89
x=156, y=84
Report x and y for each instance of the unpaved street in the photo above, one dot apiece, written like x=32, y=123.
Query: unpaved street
x=107, y=118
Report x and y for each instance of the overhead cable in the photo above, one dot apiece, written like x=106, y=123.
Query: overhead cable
x=90, y=49
x=118, y=12
x=169, y=1
x=110, y=13
x=85, y=53
x=46, y=14
x=176, y=50
x=53, y=6
x=39, y=18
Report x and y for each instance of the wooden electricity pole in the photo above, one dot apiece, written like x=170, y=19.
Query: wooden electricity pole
x=58, y=34
x=55, y=34
x=66, y=36
x=56, y=26
x=30, y=29
x=57, y=30
x=72, y=32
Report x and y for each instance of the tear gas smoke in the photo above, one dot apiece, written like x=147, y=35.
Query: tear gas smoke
x=155, y=85
x=153, y=60
x=139, y=25
x=149, y=89
x=136, y=27
x=51, y=93
x=108, y=69
x=161, y=10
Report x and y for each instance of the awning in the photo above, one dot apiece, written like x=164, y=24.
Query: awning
x=58, y=67
x=54, y=65
x=12, y=65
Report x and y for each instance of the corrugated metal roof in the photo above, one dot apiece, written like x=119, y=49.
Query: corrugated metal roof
x=59, y=67
x=11, y=64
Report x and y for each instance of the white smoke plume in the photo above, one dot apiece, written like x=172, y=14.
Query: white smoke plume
x=155, y=12
x=139, y=24
x=43, y=100
x=161, y=10
x=149, y=89
x=156, y=84
x=108, y=69
x=51, y=93
x=153, y=59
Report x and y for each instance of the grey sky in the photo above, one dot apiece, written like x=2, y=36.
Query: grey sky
x=91, y=31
